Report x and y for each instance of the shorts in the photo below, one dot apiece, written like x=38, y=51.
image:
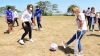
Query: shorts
x=9, y=21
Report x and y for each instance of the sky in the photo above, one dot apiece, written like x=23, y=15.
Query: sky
x=62, y=4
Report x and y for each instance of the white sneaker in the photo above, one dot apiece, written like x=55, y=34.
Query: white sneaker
x=41, y=29
x=31, y=40
x=21, y=42
x=63, y=44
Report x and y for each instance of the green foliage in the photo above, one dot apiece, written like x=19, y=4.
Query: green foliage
x=47, y=7
x=69, y=10
x=71, y=7
x=3, y=9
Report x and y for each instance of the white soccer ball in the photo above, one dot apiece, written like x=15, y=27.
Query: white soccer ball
x=53, y=46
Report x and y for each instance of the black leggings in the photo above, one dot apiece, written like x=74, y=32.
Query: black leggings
x=15, y=20
x=27, y=28
x=88, y=19
x=98, y=21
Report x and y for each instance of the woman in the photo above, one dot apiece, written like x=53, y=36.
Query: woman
x=26, y=24
x=9, y=19
x=82, y=28
x=92, y=19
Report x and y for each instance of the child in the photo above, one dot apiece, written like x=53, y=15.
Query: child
x=82, y=28
x=38, y=14
x=92, y=19
x=16, y=17
x=9, y=19
x=26, y=24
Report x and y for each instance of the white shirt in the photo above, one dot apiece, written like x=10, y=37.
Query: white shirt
x=88, y=12
x=92, y=14
x=26, y=16
x=82, y=18
x=15, y=14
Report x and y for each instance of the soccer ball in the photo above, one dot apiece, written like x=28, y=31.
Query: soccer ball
x=53, y=47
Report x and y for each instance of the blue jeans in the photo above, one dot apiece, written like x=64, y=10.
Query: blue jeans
x=79, y=37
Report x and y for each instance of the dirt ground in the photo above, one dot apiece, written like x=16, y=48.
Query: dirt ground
x=55, y=29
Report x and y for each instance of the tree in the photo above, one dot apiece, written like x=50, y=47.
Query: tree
x=2, y=9
x=47, y=7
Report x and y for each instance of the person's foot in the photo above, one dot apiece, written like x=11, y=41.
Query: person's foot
x=30, y=40
x=41, y=29
x=34, y=28
x=7, y=32
x=21, y=42
x=76, y=54
x=99, y=31
x=64, y=44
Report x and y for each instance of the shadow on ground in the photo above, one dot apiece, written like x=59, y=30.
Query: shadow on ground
x=68, y=50
x=94, y=35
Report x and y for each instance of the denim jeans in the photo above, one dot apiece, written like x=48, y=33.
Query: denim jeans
x=78, y=36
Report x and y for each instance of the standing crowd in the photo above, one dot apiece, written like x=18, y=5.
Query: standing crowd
x=92, y=17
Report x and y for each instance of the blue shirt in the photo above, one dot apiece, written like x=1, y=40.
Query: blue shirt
x=9, y=14
x=38, y=12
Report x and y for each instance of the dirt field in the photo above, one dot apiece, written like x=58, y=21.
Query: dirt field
x=55, y=29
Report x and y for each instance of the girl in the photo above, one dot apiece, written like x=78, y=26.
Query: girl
x=38, y=14
x=9, y=19
x=26, y=24
x=92, y=19
x=16, y=16
x=82, y=28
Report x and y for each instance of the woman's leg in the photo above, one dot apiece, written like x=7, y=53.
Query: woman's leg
x=25, y=27
x=74, y=37
x=30, y=32
x=17, y=21
x=90, y=23
x=79, y=42
x=38, y=22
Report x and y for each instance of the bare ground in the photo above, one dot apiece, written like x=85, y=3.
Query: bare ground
x=55, y=29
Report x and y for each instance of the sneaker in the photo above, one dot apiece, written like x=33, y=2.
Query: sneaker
x=31, y=40
x=41, y=29
x=21, y=42
x=6, y=32
x=64, y=45
x=76, y=54
x=81, y=53
x=10, y=32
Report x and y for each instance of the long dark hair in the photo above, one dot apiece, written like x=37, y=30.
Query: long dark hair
x=28, y=7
